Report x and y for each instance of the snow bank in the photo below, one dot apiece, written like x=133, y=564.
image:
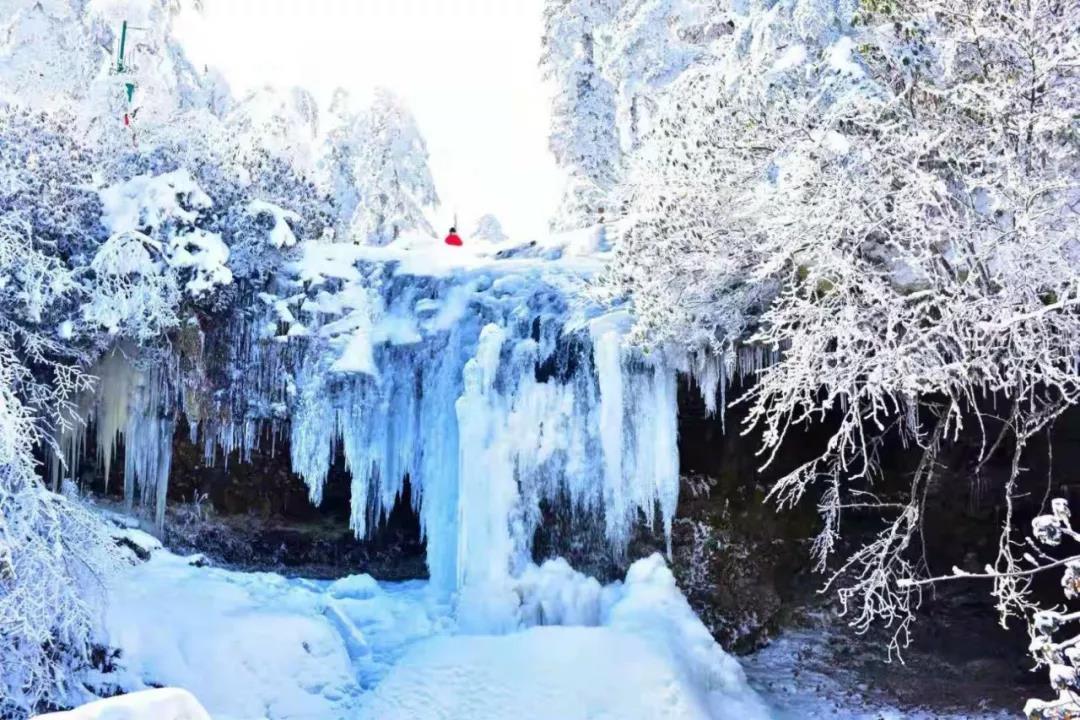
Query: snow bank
x=156, y=704
x=247, y=645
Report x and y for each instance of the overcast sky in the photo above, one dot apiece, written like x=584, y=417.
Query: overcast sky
x=467, y=68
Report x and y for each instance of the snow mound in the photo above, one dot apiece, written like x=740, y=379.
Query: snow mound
x=156, y=704
x=626, y=651
x=247, y=645
x=360, y=587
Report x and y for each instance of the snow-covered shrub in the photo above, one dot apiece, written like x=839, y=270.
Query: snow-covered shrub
x=308, y=209
x=169, y=213
x=46, y=181
x=31, y=281
x=489, y=229
x=132, y=293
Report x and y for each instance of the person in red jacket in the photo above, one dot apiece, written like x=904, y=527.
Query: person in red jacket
x=453, y=238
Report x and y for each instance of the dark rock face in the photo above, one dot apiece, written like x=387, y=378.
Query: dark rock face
x=742, y=565
x=257, y=515
x=746, y=568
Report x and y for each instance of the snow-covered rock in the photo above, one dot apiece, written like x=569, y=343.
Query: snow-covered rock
x=156, y=704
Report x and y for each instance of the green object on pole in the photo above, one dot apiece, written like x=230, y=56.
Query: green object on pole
x=130, y=87
x=123, y=44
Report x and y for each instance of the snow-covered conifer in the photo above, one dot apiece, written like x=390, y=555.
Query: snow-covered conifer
x=338, y=162
x=283, y=123
x=649, y=44
x=393, y=181
x=583, y=133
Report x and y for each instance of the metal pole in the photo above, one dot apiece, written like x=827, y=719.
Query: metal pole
x=123, y=44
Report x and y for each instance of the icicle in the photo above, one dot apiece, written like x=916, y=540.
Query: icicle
x=487, y=488
x=706, y=369
x=665, y=470
x=607, y=354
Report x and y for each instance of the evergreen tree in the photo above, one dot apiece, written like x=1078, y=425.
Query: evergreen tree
x=393, y=181
x=583, y=136
x=338, y=163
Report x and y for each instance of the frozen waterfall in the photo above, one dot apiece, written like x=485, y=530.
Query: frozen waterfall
x=487, y=381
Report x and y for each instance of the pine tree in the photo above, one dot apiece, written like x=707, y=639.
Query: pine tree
x=338, y=163
x=393, y=180
x=583, y=136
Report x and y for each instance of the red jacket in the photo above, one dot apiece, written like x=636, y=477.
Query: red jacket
x=453, y=239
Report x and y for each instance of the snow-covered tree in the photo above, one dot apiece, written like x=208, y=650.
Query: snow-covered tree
x=50, y=52
x=54, y=555
x=338, y=162
x=583, y=137
x=283, y=123
x=649, y=44
x=885, y=196
x=393, y=181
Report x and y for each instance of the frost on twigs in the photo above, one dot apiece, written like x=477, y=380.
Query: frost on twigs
x=132, y=294
x=54, y=554
x=1054, y=639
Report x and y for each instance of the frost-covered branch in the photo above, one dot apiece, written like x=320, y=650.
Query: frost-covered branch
x=883, y=200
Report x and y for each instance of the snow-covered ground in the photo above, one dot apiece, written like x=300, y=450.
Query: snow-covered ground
x=255, y=645
x=260, y=645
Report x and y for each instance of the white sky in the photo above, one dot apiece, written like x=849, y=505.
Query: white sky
x=468, y=69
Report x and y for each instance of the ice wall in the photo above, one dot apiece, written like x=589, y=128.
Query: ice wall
x=486, y=386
